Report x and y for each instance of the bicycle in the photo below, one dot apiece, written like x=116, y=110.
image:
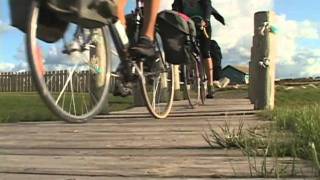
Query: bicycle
x=194, y=77
x=85, y=64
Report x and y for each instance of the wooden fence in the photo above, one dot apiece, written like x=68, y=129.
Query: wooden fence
x=22, y=81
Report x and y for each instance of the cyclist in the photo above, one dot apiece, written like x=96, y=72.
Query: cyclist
x=144, y=46
x=204, y=9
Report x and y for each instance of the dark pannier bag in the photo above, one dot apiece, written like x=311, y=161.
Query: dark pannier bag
x=176, y=31
x=86, y=13
x=50, y=27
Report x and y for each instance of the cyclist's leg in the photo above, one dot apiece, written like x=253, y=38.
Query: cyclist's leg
x=151, y=10
x=145, y=45
x=209, y=73
x=205, y=51
x=121, y=11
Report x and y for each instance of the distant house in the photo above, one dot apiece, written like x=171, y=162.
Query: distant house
x=236, y=74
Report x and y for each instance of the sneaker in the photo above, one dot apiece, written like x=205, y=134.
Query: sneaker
x=122, y=89
x=224, y=82
x=211, y=92
x=144, y=48
x=126, y=71
x=217, y=84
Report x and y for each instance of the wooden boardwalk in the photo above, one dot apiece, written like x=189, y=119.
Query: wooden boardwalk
x=132, y=145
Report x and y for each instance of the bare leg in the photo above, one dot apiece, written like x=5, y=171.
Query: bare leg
x=213, y=69
x=151, y=9
x=145, y=46
x=121, y=11
x=209, y=70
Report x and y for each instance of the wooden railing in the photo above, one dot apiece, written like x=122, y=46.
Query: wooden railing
x=22, y=81
x=16, y=82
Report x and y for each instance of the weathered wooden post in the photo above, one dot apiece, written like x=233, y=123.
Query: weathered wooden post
x=262, y=65
x=1, y=85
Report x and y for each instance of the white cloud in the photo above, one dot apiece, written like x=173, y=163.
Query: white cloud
x=305, y=63
x=6, y=67
x=235, y=38
x=4, y=27
x=4, y=24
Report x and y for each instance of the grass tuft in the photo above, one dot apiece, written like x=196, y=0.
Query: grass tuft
x=295, y=132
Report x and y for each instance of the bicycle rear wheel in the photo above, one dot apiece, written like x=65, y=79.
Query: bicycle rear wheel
x=192, y=80
x=203, y=82
x=158, y=84
x=72, y=75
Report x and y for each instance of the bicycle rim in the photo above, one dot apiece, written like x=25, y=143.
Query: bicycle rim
x=74, y=85
x=191, y=82
x=158, y=85
x=202, y=83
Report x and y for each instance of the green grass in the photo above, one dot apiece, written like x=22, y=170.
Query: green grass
x=17, y=107
x=297, y=122
x=297, y=97
x=297, y=114
x=295, y=132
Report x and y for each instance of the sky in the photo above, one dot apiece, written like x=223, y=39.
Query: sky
x=298, y=38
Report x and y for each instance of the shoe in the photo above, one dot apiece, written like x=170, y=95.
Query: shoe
x=216, y=84
x=144, y=48
x=211, y=92
x=122, y=89
x=126, y=71
x=224, y=82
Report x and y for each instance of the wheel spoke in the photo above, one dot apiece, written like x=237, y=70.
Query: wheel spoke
x=72, y=97
x=84, y=53
x=66, y=84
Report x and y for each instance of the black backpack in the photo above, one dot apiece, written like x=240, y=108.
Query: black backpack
x=176, y=31
x=50, y=27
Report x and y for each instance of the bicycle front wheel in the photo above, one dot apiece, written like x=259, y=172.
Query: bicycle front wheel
x=158, y=84
x=72, y=74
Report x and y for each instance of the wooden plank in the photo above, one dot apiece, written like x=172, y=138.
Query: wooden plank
x=124, y=126
x=120, y=146
x=179, y=114
x=119, y=133
x=112, y=120
x=125, y=129
x=131, y=166
x=186, y=108
x=6, y=176
x=124, y=152
x=185, y=141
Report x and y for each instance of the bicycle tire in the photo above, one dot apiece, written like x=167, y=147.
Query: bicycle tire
x=159, y=101
x=202, y=83
x=192, y=83
x=92, y=97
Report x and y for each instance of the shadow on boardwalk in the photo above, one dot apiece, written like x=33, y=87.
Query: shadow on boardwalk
x=131, y=144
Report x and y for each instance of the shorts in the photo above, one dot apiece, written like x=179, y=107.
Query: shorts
x=205, y=43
